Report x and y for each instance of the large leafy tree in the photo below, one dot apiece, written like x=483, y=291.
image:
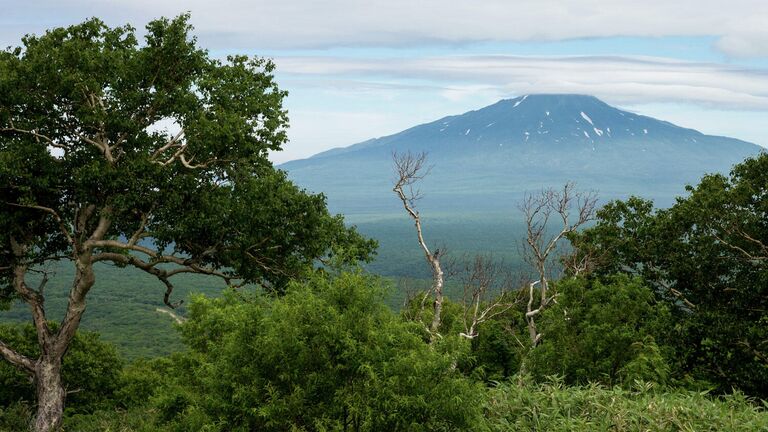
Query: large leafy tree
x=707, y=257
x=150, y=155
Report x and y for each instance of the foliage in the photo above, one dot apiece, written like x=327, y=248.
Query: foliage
x=496, y=352
x=707, y=258
x=546, y=406
x=15, y=417
x=500, y=346
x=601, y=332
x=81, y=115
x=327, y=356
x=416, y=312
x=551, y=406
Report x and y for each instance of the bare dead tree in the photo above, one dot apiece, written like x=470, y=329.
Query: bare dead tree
x=486, y=286
x=569, y=209
x=410, y=169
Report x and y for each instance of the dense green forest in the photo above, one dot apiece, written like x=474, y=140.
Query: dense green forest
x=627, y=317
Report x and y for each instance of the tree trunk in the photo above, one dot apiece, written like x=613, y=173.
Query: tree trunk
x=50, y=394
x=438, y=288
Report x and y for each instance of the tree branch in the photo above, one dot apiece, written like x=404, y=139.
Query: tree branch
x=537, y=210
x=173, y=142
x=35, y=134
x=103, y=225
x=51, y=211
x=31, y=297
x=19, y=360
x=161, y=274
x=410, y=169
x=479, y=276
x=749, y=256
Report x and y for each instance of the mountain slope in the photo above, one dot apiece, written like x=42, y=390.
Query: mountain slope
x=484, y=160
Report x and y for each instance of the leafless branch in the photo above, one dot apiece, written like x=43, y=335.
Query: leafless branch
x=542, y=241
x=481, y=278
x=409, y=169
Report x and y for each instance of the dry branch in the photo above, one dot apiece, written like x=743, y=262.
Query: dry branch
x=409, y=169
x=481, y=279
x=572, y=209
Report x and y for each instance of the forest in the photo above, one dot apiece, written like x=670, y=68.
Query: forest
x=130, y=164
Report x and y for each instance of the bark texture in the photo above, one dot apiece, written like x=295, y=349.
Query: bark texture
x=50, y=395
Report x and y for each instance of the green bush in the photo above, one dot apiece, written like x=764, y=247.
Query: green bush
x=329, y=355
x=15, y=417
x=500, y=346
x=601, y=332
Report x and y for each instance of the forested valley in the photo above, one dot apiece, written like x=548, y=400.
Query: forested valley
x=141, y=166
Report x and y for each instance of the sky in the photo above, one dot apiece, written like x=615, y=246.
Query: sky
x=356, y=70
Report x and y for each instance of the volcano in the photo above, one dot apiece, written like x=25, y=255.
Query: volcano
x=485, y=160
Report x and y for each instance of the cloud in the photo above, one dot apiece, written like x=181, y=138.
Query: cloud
x=278, y=24
x=328, y=91
x=744, y=45
x=318, y=130
x=620, y=80
x=336, y=101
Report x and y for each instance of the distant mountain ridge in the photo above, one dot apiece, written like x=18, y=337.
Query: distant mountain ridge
x=537, y=119
x=484, y=160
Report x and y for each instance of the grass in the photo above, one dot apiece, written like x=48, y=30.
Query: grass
x=554, y=407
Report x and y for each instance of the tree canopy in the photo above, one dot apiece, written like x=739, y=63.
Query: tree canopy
x=165, y=143
x=707, y=257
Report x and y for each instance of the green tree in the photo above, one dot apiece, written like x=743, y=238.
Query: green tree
x=498, y=349
x=151, y=156
x=707, y=258
x=602, y=332
x=329, y=355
